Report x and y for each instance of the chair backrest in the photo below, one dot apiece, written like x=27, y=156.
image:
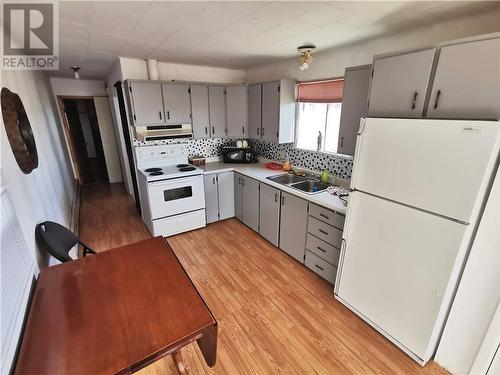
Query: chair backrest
x=55, y=239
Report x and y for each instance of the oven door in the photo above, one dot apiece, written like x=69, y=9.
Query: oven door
x=176, y=196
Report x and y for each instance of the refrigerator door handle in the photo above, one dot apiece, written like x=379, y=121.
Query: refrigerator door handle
x=339, y=269
x=362, y=124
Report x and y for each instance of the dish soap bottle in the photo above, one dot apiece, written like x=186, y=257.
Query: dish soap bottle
x=325, y=175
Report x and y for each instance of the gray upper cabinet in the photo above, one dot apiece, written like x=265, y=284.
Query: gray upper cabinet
x=399, y=84
x=238, y=196
x=199, y=110
x=270, y=213
x=225, y=186
x=467, y=81
x=146, y=103
x=254, y=110
x=177, y=103
x=236, y=105
x=293, y=226
x=354, y=106
x=217, y=110
x=250, y=205
x=211, y=197
x=278, y=111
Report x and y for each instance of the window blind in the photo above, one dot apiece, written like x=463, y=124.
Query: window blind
x=330, y=91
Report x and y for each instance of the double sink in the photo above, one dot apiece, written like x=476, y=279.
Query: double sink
x=300, y=183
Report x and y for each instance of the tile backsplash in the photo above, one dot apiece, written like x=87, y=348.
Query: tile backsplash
x=316, y=161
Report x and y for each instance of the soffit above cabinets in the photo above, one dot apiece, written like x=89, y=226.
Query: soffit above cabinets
x=234, y=34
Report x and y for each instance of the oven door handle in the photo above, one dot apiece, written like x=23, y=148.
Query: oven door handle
x=175, y=180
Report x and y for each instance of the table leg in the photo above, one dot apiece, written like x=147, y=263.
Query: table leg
x=208, y=344
x=182, y=369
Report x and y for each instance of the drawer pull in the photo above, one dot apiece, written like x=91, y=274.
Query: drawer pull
x=326, y=217
x=319, y=248
x=321, y=268
x=322, y=231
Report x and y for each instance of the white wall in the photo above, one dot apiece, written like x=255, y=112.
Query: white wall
x=77, y=87
x=47, y=192
x=137, y=69
x=332, y=63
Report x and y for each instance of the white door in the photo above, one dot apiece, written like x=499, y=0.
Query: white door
x=399, y=84
x=441, y=166
x=147, y=102
x=254, y=110
x=175, y=196
x=467, y=81
x=211, y=197
x=236, y=104
x=396, y=264
x=217, y=105
x=225, y=183
x=199, y=109
x=177, y=103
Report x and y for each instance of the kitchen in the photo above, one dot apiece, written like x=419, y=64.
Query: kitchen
x=396, y=182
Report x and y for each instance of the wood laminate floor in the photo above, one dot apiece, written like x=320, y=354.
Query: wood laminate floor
x=275, y=316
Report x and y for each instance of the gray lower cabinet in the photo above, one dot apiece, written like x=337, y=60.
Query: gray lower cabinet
x=293, y=225
x=211, y=197
x=238, y=196
x=250, y=205
x=324, y=240
x=270, y=205
x=219, y=196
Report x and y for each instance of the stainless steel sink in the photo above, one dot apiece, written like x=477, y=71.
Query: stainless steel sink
x=286, y=178
x=310, y=187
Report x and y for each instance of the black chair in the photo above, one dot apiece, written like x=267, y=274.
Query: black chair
x=58, y=240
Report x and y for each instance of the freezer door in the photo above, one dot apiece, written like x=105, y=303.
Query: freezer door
x=398, y=269
x=441, y=166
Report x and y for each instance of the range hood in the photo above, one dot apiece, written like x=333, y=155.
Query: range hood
x=158, y=133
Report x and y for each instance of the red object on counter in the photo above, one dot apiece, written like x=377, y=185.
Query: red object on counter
x=273, y=165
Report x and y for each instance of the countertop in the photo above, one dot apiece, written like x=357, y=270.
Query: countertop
x=259, y=172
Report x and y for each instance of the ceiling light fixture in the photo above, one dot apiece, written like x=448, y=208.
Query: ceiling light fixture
x=305, y=56
x=76, y=70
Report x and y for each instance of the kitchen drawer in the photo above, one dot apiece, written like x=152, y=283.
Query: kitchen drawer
x=321, y=267
x=329, y=217
x=325, y=232
x=322, y=249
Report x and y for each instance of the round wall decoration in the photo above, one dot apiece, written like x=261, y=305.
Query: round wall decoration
x=19, y=131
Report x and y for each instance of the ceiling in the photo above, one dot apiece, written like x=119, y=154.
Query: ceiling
x=232, y=34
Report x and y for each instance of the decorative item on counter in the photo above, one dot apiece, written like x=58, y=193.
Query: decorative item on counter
x=325, y=175
x=274, y=166
x=239, y=143
x=244, y=143
x=287, y=167
x=337, y=190
x=197, y=160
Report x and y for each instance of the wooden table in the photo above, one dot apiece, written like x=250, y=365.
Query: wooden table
x=115, y=313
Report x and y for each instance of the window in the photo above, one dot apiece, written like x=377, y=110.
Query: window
x=319, y=106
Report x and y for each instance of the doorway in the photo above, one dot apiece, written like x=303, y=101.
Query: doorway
x=85, y=140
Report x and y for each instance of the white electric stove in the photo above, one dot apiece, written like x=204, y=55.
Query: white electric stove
x=171, y=190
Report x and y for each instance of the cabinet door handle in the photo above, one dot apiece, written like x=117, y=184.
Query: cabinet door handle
x=341, y=141
x=436, y=102
x=206, y=130
x=414, y=102
x=262, y=131
x=321, y=268
x=168, y=115
x=213, y=179
x=319, y=248
x=243, y=129
x=159, y=113
x=322, y=231
x=323, y=215
x=239, y=180
x=275, y=197
x=283, y=200
x=213, y=130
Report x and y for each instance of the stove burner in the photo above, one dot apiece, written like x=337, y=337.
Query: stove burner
x=182, y=165
x=187, y=169
x=153, y=170
x=156, y=173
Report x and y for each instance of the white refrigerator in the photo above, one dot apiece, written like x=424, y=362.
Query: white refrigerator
x=418, y=190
